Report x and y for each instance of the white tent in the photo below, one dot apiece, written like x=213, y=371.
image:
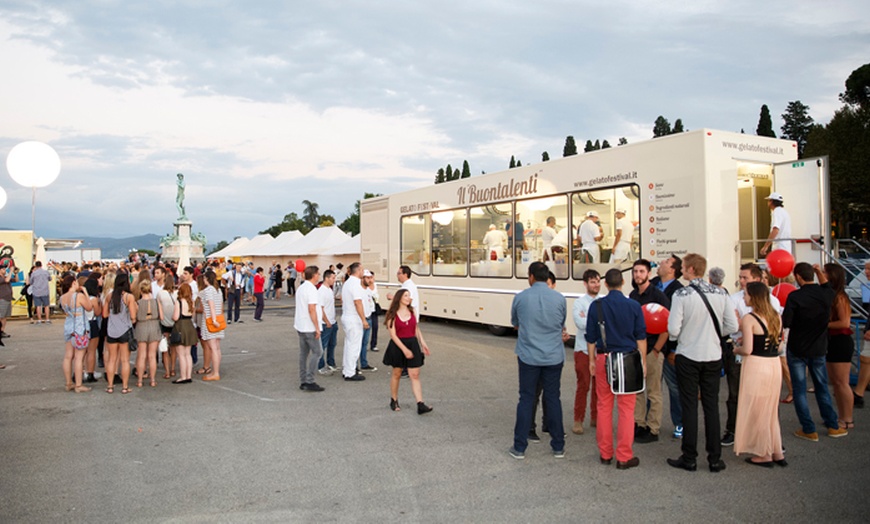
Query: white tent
x=351, y=246
x=318, y=240
x=227, y=251
x=281, y=245
x=254, y=246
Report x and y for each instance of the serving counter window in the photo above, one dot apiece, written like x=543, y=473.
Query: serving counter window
x=543, y=234
x=450, y=243
x=606, y=223
x=415, y=243
x=489, y=240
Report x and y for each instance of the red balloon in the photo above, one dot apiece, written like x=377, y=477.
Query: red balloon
x=300, y=265
x=780, y=262
x=781, y=291
x=656, y=318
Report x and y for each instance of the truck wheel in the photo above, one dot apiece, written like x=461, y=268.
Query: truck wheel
x=498, y=331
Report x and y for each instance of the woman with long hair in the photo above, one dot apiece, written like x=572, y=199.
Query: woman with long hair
x=187, y=333
x=148, y=334
x=167, y=299
x=404, y=350
x=92, y=286
x=841, y=345
x=213, y=305
x=199, y=321
x=119, y=308
x=757, y=429
x=75, y=303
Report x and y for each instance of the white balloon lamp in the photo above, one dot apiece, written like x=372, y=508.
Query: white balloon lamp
x=33, y=164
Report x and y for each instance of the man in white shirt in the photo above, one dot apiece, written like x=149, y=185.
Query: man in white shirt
x=494, y=242
x=328, y=327
x=233, y=283
x=354, y=321
x=699, y=359
x=404, y=276
x=157, y=283
x=307, y=324
x=368, y=283
x=548, y=234
x=592, y=280
x=622, y=242
x=590, y=234
x=780, y=225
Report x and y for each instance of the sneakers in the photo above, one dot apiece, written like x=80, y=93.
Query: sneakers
x=311, y=386
x=519, y=455
x=325, y=371
x=858, y=400
x=678, y=432
x=559, y=453
x=333, y=368
x=727, y=439
x=837, y=432
x=578, y=428
x=370, y=369
x=533, y=436
x=374, y=349
x=812, y=437
x=356, y=378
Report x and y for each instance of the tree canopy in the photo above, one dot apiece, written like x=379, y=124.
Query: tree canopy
x=765, y=124
x=570, y=147
x=797, y=124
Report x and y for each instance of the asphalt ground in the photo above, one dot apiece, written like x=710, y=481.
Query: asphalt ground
x=254, y=448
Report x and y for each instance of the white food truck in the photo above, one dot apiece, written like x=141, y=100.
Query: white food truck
x=697, y=192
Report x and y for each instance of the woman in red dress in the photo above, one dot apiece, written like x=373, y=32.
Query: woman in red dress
x=406, y=349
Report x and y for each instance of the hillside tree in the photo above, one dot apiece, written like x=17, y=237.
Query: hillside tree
x=797, y=124
x=765, y=124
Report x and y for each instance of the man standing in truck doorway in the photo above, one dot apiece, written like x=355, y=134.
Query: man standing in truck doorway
x=780, y=225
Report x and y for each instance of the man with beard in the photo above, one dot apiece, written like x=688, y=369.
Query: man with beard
x=647, y=422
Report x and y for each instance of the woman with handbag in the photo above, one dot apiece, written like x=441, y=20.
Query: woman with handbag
x=215, y=324
x=757, y=429
x=119, y=308
x=148, y=334
x=168, y=302
x=75, y=303
x=184, y=334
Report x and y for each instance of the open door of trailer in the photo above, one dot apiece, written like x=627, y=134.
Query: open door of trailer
x=804, y=187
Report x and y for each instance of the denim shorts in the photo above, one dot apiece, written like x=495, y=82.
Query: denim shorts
x=40, y=301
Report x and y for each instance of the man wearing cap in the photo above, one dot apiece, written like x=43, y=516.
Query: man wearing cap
x=622, y=242
x=590, y=235
x=780, y=225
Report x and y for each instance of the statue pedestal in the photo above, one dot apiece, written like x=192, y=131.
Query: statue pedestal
x=181, y=246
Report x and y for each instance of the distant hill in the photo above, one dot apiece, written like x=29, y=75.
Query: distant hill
x=119, y=247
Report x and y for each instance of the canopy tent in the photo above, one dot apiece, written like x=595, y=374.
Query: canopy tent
x=319, y=247
x=253, y=246
x=351, y=246
x=280, y=245
x=227, y=251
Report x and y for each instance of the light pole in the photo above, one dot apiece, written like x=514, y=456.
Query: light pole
x=33, y=164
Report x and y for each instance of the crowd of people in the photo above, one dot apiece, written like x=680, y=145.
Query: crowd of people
x=755, y=340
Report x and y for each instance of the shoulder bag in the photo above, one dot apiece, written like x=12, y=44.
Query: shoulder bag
x=724, y=341
x=624, y=369
x=80, y=341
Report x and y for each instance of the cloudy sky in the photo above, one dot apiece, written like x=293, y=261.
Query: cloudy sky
x=263, y=104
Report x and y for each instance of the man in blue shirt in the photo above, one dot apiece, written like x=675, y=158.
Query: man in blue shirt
x=624, y=331
x=539, y=314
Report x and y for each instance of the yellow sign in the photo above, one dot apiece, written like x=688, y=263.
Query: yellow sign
x=16, y=251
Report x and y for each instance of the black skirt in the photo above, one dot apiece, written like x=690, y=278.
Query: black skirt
x=394, y=356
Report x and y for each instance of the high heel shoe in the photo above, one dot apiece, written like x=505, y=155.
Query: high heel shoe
x=394, y=405
x=423, y=408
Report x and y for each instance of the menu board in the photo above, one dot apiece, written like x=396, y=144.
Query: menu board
x=672, y=222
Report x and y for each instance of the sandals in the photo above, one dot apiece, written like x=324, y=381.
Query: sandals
x=787, y=400
x=153, y=384
x=847, y=424
x=110, y=390
x=124, y=391
x=394, y=405
x=139, y=384
x=203, y=371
